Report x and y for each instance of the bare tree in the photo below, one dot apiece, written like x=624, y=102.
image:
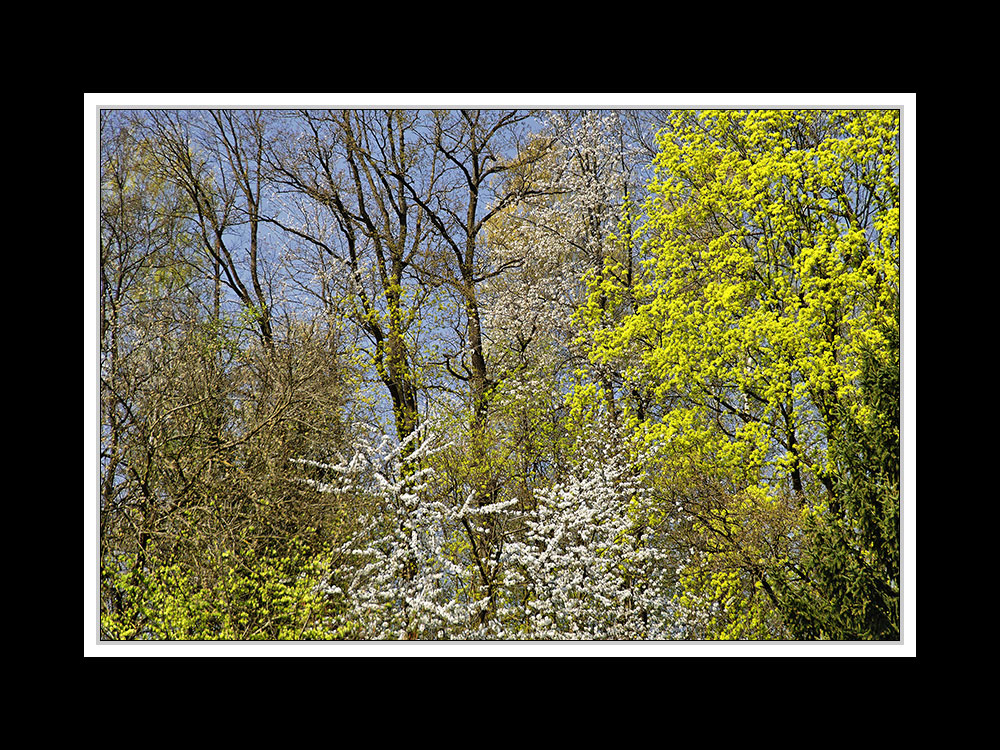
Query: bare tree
x=216, y=158
x=360, y=166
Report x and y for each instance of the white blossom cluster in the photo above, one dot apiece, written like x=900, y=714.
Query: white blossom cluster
x=582, y=566
x=560, y=236
x=587, y=563
x=402, y=582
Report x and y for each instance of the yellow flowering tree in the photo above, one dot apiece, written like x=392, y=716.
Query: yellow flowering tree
x=772, y=263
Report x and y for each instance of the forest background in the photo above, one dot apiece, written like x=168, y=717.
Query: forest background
x=92, y=102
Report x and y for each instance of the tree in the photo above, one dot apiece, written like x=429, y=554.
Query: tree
x=590, y=565
x=548, y=243
x=145, y=278
x=848, y=585
x=216, y=159
x=406, y=573
x=773, y=258
x=477, y=168
x=201, y=411
x=357, y=165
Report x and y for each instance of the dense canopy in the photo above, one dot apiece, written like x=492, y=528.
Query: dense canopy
x=500, y=375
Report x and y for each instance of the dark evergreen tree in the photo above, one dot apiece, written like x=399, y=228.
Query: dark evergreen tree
x=848, y=585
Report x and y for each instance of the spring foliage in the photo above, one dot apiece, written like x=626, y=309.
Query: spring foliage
x=772, y=270
x=653, y=396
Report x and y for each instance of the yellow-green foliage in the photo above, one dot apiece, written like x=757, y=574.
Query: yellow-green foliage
x=248, y=597
x=771, y=262
x=772, y=253
x=736, y=609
